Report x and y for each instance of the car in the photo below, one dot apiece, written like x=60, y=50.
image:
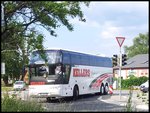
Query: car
x=145, y=86
x=19, y=85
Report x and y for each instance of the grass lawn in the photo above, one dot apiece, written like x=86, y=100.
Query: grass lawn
x=6, y=88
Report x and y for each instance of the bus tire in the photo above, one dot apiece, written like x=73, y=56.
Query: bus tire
x=106, y=89
x=102, y=89
x=75, y=93
x=48, y=99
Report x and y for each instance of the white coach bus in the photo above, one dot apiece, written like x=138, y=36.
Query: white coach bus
x=68, y=73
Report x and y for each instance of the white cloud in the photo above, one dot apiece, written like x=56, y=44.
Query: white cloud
x=104, y=22
x=118, y=11
x=122, y=5
x=110, y=31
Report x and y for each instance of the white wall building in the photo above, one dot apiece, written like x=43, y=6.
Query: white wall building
x=137, y=66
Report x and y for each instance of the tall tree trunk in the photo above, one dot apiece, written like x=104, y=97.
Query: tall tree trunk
x=5, y=79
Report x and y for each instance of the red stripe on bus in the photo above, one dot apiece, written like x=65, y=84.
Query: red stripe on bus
x=98, y=82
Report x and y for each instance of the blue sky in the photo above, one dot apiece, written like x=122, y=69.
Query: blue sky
x=104, y=22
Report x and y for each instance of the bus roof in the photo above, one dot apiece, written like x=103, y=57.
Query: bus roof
x=69, y=50
x=79, y=58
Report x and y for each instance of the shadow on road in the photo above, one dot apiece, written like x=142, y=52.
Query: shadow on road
x=88, y=103
x=70, y=99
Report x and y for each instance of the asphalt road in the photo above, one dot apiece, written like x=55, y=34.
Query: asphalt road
x=86, y=103
x=94, y=103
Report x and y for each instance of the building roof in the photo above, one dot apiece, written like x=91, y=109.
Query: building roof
x=138, y=61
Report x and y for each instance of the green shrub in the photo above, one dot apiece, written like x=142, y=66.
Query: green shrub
x=14, y=105
x=133, y=81
x=129, y=106
x=142, y=79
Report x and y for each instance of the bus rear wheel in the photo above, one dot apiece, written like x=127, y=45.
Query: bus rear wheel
x=75, y=93
x=102, y=89
x=106, y=89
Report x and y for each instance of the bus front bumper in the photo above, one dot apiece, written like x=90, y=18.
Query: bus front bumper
x=44, y=95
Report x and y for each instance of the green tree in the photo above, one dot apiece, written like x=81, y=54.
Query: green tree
x=19, y=33
x=140, y=46
x=13, y=63
x=25, y=16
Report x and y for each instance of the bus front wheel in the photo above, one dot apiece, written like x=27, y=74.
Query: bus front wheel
x=48, y=99
x=75, y=93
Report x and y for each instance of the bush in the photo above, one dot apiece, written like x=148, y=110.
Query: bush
x=142, y=79
x=14, y=105
x=133, y=81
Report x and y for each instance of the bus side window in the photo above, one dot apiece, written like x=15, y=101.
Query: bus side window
x=66, y=58
x=67, y=72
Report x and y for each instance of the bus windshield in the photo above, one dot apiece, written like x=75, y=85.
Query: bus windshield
x=51, y=72
x=52, y=57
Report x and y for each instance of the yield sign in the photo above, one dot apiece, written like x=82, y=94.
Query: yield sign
x=120, y=40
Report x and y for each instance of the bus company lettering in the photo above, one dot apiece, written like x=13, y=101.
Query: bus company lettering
x=81, y=72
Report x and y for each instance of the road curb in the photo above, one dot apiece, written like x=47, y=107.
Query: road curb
x=142, y=107
x=123, y=102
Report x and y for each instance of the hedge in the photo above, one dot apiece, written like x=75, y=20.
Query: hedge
x=133, y=81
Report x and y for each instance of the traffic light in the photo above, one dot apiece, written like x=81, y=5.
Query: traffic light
x=114, y=60
x=124, y=59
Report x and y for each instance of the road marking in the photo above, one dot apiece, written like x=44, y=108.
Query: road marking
x=114, y=102
x=143, y=107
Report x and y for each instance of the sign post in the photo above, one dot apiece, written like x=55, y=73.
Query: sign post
x=120, y=41
x=2, y=68
x=2, y=13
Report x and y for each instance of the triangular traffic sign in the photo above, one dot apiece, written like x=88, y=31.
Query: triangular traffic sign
x=120, y=40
